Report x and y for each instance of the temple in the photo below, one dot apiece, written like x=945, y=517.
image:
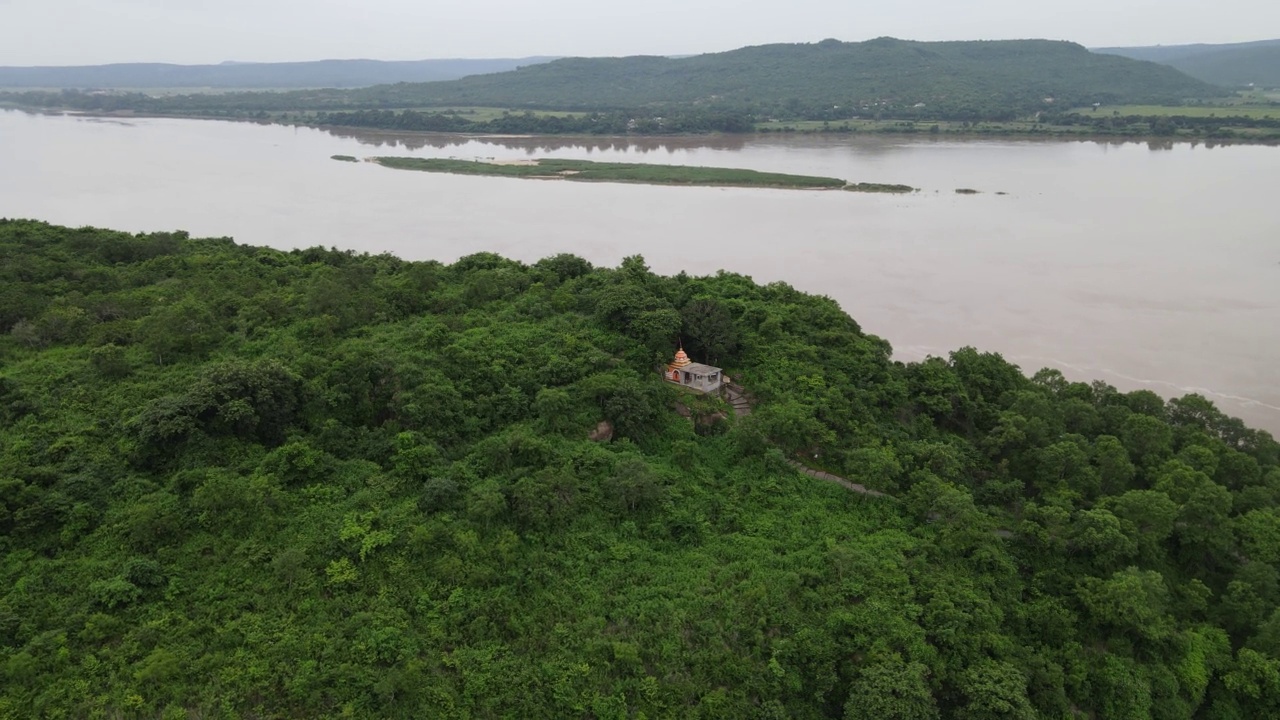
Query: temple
x=692, y=375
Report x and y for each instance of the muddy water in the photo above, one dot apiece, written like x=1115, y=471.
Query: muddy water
x=1145, y=266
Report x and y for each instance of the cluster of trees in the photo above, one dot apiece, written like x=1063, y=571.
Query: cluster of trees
x=675, y=122
x=236, y=481
x=1227, y=125
x=229, y=104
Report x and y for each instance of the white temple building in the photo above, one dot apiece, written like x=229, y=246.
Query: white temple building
x=695, y=376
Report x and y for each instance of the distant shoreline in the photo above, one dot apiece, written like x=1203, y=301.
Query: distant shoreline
x=1063, y=134
x=1050, y=134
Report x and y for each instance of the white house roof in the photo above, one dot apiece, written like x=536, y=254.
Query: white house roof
x=700, y=369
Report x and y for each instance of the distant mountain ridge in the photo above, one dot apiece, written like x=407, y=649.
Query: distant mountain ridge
x=1231, y=65
x=884, y=78
x=311, y=74
x=1019, y=75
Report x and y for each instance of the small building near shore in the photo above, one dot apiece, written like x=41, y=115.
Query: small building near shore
x=695, y=376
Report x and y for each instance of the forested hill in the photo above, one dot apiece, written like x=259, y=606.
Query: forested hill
x=877, y=74
x=729, y=91
x=1230, y=65
x=240, y=482
x=316, y=74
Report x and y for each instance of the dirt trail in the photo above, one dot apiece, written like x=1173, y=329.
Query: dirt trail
x=736, y=395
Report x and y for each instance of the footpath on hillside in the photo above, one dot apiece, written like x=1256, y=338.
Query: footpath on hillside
x=737, y=397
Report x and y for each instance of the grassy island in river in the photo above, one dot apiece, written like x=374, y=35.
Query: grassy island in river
x=647, y=173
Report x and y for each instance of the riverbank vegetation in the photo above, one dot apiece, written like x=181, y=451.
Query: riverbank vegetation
x=1222, y=112
x=1227, y=123
x=1250, y=123
x=589, y=171
x=1206, y=125
x=241, y=482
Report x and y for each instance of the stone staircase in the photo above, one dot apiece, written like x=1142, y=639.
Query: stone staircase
x=737, y=397
x=846, y=484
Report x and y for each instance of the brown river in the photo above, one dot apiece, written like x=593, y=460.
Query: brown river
x=1142, y=265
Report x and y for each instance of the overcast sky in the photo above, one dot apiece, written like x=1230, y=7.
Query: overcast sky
x=72, y=32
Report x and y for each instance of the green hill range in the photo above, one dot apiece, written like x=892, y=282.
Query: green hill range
x=1017, y=74
x=1229, y=65
x=237, y=482
x=729, y=91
